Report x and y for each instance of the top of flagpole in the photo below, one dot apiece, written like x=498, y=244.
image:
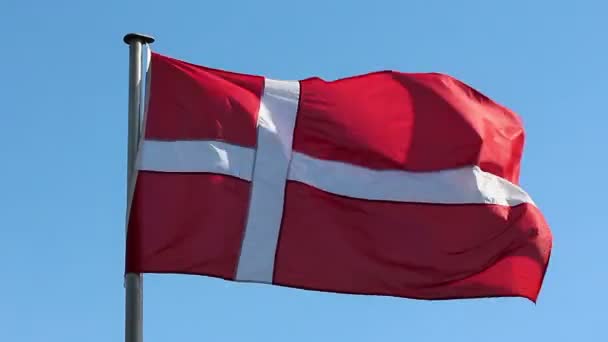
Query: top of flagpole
x=144, y=38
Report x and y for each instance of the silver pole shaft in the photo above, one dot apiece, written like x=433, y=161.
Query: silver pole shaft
x=134, y=281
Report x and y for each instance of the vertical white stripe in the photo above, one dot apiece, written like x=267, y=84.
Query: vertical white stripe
x=276, y=121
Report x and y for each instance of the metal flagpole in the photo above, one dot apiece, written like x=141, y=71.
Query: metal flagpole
x=133, y=281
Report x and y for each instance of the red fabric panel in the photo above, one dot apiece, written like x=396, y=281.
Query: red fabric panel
x=416, y=122
x=187, y=223
x=191, y=102
x=332, y=243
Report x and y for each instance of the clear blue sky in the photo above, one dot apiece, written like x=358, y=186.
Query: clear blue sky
x=63, y=100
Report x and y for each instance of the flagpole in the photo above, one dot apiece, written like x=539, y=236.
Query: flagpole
x=133, y=281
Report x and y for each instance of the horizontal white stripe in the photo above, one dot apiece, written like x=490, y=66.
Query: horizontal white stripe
x=196, y=156
x=467, y=185
x=454, y=186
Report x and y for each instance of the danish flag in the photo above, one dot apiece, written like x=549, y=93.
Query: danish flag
x=386, y=183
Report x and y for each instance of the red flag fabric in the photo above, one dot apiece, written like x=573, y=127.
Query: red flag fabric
x=388, y=183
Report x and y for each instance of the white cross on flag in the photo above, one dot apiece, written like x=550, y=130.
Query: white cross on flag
x=388, y=183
